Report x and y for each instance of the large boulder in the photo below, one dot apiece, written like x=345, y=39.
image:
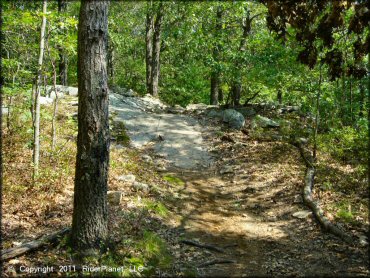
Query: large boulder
x=214, y=113
x=260, y=121
x=71, y=91
x=53, y=95
x=46, y=101
x=234, y=119
x=246, y=111
x=122, y=91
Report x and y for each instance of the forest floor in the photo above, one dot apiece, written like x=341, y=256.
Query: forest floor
x=240, y=208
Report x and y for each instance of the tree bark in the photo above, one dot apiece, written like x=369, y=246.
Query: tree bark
x=236, y=88
x=36, y=131
x=280, y=96
x=156, y=51
x=110, y=61
x=215, y=74
x=63, y=61
x=149, y=26
x=90, y=215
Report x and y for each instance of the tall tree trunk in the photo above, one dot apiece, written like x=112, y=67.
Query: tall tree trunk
x=156, y=51
x=36, y=131
x=236, y=88
x=215, y=74
x=280, y=96
x=149, y=26
x=63, y=61
x=110, y=61
x=215, y=81
x=90, y=214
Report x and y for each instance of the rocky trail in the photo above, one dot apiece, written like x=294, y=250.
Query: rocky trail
x=242, y=200
x=235, y=207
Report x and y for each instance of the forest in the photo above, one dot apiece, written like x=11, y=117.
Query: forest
x=185, y=138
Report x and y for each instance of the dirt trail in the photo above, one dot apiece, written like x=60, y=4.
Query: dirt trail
x=243, y=202
x=248, y=213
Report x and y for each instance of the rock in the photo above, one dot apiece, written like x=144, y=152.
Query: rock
x=363, y=240
x=71, y=91
x=4, y=110
x=247, y=111
x=199, y=106
x=139, y=186
x=214, y=113
x=127, y=178
x=303, y=141
x=260, y=121
x=52, y=95
x=227, y=169
x=177, y=109
x=74, y=103
x=114, y=197
x=147, y=158
x=288, y=109
x=302, y=214
x=45, y=101
x=234, y=119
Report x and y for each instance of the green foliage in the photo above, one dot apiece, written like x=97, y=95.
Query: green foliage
x=156, y=207
x=174, y=180
x=345, y=212
x=155, y=250
x=346, y=143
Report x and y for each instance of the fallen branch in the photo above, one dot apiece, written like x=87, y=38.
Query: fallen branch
x=216, y=261
x=200, y=245
x=32, y=245
x=309, y=201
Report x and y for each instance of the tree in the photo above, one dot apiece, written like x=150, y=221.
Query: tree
x=215, y=73
x=149, y=25
x=63, y=64
x=153, y=26
x=36, y=124
x=90, y=215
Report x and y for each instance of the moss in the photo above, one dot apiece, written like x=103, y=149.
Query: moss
x=174, y=180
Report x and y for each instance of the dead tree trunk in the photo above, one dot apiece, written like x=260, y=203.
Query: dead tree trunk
x=215, y=74
x=156, y=51
x=63, y=60
x=149, y=26
x=36, y=131
x=90, y=214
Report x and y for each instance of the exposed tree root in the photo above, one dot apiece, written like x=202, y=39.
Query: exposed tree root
x=216, y=261
x=32, y=245
x=200, y=245
x=312, y=204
